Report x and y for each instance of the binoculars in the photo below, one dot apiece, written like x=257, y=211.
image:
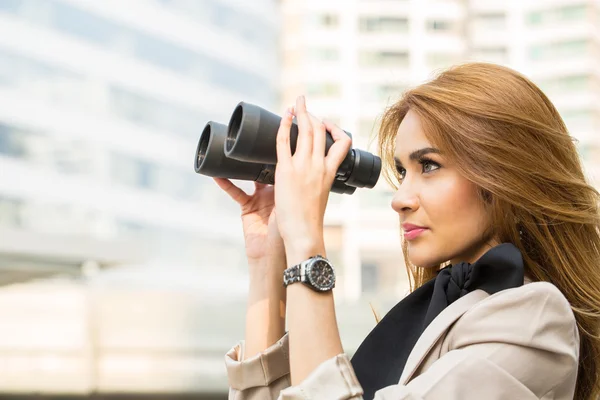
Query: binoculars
x=245, y=149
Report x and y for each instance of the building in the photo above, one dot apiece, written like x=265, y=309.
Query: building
x=352, y=58
x=101, y=108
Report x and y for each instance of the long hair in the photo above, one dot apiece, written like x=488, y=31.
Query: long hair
x=506, y=137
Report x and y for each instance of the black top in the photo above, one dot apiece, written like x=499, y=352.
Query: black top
x=380, y=359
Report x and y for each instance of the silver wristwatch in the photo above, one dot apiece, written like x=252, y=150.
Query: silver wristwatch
x=316, y=272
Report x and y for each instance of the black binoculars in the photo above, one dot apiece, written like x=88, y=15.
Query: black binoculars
x=245, y=149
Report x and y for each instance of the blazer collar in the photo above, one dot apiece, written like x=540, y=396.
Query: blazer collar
x=436, y=329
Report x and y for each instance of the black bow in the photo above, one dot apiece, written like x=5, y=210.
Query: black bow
x=380, y=359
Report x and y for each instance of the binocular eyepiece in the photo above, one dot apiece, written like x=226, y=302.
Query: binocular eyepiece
x=245, y=149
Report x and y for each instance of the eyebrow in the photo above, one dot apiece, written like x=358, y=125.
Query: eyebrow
x=417, y=154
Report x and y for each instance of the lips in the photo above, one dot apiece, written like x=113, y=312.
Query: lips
x=409, y=227
x=412, y=231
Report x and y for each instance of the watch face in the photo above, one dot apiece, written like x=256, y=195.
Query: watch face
x=321, y=275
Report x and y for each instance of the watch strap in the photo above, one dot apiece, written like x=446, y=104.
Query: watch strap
x=295, y=273
x=292, y=275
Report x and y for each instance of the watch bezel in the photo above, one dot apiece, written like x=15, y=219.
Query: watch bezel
x=312, y=283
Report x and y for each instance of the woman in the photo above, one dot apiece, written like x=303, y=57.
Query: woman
x=505, y=271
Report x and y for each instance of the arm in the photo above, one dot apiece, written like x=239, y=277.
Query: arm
x=258, y=367
x=265, y=314
x=314, y=334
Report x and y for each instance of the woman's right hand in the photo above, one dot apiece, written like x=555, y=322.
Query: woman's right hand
x=265, y=315
x=261, y=235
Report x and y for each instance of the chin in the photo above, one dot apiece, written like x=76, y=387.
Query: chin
x=423, y=258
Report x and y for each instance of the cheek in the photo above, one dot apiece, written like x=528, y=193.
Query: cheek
x=453, y=206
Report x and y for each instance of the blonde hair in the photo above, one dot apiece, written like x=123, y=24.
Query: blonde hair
x=505, y=135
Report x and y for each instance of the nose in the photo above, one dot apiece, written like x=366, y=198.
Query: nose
x=405, y=200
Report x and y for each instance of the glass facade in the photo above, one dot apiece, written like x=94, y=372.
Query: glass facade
x=559, y=50
x=380, y=24
x=567, y=13
x=383, y=58
x=171, y=120
x=127, y=41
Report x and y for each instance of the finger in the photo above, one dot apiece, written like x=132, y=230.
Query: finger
x=339, y=149
x=237, y=194
x=304, y=145
x=319, y=134
x=284, y=151
x=259, y=186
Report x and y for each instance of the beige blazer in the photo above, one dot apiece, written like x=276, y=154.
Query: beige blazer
x=519, y=343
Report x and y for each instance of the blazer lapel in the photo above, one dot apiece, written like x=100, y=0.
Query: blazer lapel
x=436, y=328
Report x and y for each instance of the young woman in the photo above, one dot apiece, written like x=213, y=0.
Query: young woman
x=501, y=238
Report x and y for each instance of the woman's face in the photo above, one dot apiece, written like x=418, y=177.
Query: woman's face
x=434, y=195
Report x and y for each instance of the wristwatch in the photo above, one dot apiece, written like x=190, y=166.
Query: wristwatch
x=316, y=273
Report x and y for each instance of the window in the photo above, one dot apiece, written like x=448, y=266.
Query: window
x=155, y=113
x=152, y=49
x=12, y=142
x=131, y=171
x=60, y=86
x=323, y=89
x=383, y=58
x=492, y=21
x=442, y=26
x=142, y=174
x=559, y=50
x=566, y=84
x=575, y=12
x=371, y=92
x=322, y=21
x=439, y=60
x=383, y=24
x=323, y=54
x=68, y=156
x=10, y=212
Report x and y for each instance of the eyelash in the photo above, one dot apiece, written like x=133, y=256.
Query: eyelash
x=422, y=161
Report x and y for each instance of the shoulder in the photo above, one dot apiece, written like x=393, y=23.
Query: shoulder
x=535, y=296
x=533, y=314
x=529, y=333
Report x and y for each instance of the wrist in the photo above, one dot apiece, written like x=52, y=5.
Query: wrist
x=299, y=251
x=265, y=269
x=266, y=286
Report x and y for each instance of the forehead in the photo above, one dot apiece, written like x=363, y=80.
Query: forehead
x=410, y=135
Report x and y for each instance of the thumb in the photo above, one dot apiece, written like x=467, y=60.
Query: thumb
x=339, y=149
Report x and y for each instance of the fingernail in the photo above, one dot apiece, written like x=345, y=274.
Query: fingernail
x=301, y=99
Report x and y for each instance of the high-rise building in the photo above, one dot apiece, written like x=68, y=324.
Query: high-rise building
x=101, y=108
x=351, y=58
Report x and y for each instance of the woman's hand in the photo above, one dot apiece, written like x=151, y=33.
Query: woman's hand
x=303, y=180
x=265, y=315
x=261, y=233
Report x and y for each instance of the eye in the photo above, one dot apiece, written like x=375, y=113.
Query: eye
x=426, y=167
x=400, y=171
x=425, y=162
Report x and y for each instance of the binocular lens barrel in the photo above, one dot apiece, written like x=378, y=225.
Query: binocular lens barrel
x=252, y=137
x=210, y=160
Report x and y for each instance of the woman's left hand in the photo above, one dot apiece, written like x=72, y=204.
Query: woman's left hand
x=303, y=180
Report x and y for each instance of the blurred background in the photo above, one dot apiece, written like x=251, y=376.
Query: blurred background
x=122, y=271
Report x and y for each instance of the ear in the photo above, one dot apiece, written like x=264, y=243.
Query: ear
x=486, y=196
